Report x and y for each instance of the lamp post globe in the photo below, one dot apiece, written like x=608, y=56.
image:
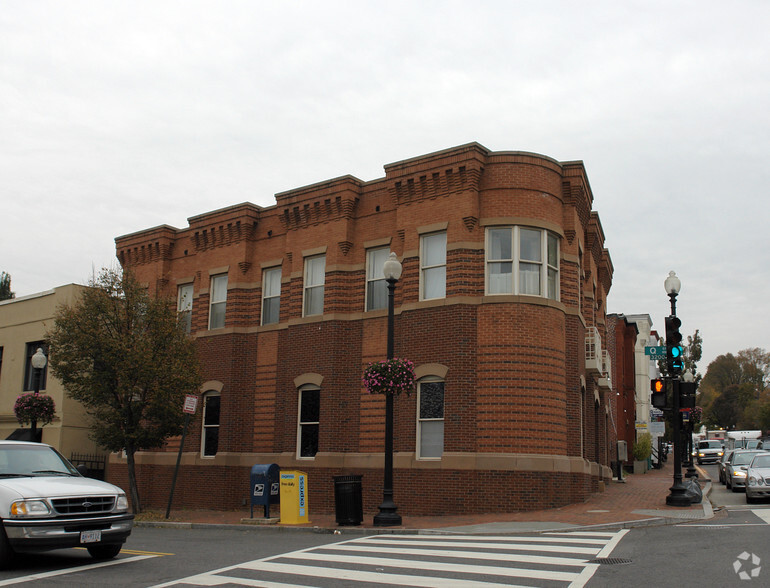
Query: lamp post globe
x=672, y=285
x=39, y=360
x=392, y=268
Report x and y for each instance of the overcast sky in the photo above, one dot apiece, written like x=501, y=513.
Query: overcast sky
x=120, y=116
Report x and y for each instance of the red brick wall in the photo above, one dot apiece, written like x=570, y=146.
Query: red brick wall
x=416, y=492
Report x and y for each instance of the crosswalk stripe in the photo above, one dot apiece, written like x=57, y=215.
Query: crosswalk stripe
x=548, y=560
x=482, y=540
x=762, y=514
x=498, y=546
x=373, y=577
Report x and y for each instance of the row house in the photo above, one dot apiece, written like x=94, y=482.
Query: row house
x=24, y=322
x=501, y=306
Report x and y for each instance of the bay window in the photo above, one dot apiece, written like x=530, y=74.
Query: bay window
x=522, y=260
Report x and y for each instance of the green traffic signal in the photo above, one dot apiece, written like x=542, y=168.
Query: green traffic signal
x=673, y=349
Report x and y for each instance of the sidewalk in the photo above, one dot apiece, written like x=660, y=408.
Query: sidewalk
x=639, y=500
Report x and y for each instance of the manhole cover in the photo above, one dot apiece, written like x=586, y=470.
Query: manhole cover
x=610, y=561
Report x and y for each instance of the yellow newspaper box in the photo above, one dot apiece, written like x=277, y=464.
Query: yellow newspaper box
x=294, y=509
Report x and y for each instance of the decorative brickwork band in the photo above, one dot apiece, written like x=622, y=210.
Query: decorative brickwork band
x=222, y=235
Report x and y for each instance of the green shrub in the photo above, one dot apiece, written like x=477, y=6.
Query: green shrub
x=643, y=447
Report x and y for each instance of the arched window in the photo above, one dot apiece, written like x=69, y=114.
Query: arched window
x=210, y=433
x=308, y=422
x=430, y=418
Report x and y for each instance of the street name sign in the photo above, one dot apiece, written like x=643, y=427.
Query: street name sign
x=655, y=352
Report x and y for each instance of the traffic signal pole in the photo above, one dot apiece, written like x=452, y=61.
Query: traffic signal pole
x=678, y=492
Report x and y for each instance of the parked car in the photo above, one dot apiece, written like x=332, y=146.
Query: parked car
x=709, y=451
x=721, y=464
x=45, y=503
x=735, y=476
x=758, y=478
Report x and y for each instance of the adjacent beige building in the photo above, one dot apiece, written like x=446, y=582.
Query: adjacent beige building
x=23, y=324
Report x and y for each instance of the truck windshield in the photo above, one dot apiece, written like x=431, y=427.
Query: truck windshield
x=30, y=460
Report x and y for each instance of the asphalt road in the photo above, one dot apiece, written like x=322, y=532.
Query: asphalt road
x=728, y=550
x=157, y=555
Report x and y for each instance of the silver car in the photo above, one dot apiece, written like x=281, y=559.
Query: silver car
x=45, y=503
x=735, y=470
x=723, y=461
x=758, y=478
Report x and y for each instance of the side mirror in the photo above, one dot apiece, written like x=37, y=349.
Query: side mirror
x=744, y=468
x=82, y=469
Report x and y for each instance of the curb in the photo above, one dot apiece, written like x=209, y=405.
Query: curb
x=653, y=521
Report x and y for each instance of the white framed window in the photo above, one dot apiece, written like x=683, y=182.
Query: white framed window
x=210, y=433
x=218, y=295
x=315, y=278
x=184, y=303
x=308, y=422
x=552, y=266
x=580, y=281
x=376, y=286
x=430, y=418
x=499, y=261
x=271, y=295
x=433, y=266
x=522, y=260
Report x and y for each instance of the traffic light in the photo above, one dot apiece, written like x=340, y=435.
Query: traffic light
x=673, y=345
x=687, y=391
x=658, y=389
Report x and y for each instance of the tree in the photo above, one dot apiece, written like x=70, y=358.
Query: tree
x=733, y=390
x=721, y=373
x=726, y=409
x=127, y=359
x=755, y=369
x=5, y=287
x=693, y=353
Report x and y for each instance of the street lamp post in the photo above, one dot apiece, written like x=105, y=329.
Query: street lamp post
x=691, y=471
x=678, y=492
x=388, y=517
x=38, y=364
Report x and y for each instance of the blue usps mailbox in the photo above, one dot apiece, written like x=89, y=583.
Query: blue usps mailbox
x=265, y=486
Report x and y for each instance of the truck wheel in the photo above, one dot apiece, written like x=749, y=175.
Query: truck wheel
x=104, y=551
x=6, y=552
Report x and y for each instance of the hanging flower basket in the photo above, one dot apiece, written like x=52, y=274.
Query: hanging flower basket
x=34, y=407
x=390, y=376
x=696, y=414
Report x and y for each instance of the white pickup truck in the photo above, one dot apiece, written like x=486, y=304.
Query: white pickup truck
x=709, y=451
x=45, y=503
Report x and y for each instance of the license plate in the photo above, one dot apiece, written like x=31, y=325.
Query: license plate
x=90, y=536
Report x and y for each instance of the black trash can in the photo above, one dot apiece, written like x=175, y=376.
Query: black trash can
x=348, y=505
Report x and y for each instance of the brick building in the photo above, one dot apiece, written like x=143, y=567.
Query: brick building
x=621, y=340
x=501, y=305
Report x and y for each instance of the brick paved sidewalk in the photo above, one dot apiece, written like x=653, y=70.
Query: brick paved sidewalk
x=640, y=498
